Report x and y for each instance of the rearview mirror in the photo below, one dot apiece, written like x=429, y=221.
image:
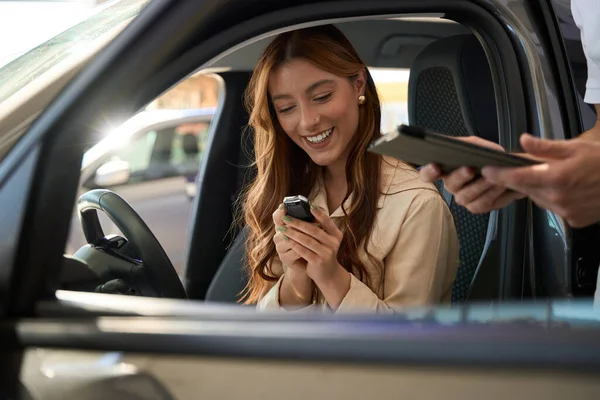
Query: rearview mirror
x=114, y=172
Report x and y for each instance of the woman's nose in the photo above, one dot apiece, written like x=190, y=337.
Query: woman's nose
x=310, y=119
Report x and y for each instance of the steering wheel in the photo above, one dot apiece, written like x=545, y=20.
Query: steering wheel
x=149, y=262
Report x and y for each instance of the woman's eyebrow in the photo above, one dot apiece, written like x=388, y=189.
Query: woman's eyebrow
x=311, y=88
x=318, y=83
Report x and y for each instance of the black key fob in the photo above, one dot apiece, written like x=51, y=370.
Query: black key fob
x=298, y=207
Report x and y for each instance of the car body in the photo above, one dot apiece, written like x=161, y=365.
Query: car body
x=530, y=330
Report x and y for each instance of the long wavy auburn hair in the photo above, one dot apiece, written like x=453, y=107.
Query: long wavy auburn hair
x=283, y=169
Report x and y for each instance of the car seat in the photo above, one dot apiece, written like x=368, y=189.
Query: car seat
x=450, y=91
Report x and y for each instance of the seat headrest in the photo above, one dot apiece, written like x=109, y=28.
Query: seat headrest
x=450, y=89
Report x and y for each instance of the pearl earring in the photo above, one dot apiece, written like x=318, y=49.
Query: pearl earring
x=361, y=100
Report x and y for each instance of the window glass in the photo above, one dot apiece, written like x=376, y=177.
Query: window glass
x=392, y=87
x=138, y=152
x=189, y=142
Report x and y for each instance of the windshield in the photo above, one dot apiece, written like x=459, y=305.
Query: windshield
x=27, y=68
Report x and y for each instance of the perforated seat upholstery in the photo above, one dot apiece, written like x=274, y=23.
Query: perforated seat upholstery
x=451, y=92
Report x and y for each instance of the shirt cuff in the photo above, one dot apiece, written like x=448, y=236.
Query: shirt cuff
x=592, y=96
x=592, y=86
x=271, y=301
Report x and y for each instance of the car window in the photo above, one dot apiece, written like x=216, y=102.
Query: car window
x=174, y=149
x=165, y=152
x=138, y=152
x=392, y=87
x=152, y=161
x=189, y=142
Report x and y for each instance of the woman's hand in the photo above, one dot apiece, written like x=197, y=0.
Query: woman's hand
x=319, y=248
x=288, y=257
x=297, y=287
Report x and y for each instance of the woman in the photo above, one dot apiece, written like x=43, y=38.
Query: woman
x=382, y=239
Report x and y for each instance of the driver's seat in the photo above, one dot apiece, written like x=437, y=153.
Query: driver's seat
x=231, y=278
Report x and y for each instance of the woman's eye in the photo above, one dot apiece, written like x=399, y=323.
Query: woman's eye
x=285, y=109
x=323, y=97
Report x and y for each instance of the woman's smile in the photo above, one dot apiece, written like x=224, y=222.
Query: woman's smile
x=320, y=140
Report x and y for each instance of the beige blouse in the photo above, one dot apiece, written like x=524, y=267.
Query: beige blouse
x=414, y=236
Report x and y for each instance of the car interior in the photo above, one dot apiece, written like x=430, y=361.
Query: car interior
x=450, y=90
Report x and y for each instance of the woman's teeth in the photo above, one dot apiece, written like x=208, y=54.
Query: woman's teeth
x=320, y=137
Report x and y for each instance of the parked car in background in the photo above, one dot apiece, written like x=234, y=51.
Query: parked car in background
x=152, y=161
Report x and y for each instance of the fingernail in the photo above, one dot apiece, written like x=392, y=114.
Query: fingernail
x=314, y=207
x=286, y=218
x=285, y=237
x=281, y=206
x=281, y=228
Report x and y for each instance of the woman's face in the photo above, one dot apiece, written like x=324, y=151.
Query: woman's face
x=316, y=109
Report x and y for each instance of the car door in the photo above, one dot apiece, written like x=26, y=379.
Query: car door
x=62, y=344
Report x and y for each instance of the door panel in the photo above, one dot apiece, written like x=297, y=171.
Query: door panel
x=56, y=374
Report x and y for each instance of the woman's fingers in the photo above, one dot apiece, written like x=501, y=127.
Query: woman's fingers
x=278, y=215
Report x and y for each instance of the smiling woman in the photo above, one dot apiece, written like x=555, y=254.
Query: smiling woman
x=382, y=239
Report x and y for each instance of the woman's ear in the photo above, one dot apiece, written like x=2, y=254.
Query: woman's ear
x=360, y=82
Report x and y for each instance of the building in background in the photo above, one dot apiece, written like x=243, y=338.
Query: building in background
x=198, y=91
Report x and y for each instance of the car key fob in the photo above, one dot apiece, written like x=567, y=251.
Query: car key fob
x=298, y=207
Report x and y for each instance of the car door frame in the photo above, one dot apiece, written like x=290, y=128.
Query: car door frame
x=163, y=36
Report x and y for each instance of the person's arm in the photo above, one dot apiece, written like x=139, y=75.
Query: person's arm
x=421, y=266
